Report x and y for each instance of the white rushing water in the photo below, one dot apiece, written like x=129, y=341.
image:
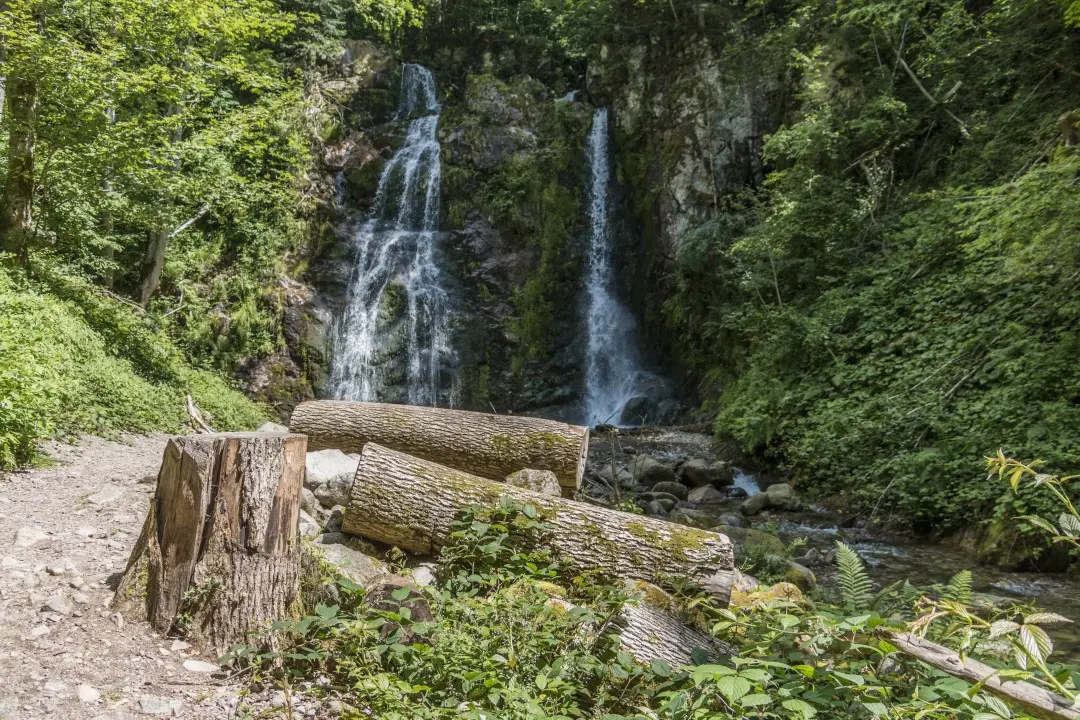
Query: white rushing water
x=612, y=371
x=395, y=325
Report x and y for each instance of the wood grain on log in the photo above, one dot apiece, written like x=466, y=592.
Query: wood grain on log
x=217, y=558
x=1034, y=700
x=408, y=502
x=491, y=446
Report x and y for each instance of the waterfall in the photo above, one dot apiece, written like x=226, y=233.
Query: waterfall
x=612, y=371
x=394, y=331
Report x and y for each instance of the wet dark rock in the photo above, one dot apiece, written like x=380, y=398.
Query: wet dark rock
x=650, y=471
x=698, y=473
x=679, y=490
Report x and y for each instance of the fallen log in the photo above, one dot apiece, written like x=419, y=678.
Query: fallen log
x=491, y=446
x=218, y=558
x=1034, y=700
x=409, y=502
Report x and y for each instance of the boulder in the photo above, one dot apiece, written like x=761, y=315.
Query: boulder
x=272, y=427
x=693, y=518
x=733, y=519
x=541, y=481
x=309, y=526
x=654, y=508
x=782, y=497
x=649, y=471
x=744, y=583
x=672, y=488
x=750, y=541
x=625, y=477
x=353, y=564
x=706, y=495
x=324, y=465
x=754, y=504
x=800, y=576
x=336, y=490
x=698, y=473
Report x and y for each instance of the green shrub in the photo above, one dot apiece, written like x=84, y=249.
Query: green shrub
x=59, y=377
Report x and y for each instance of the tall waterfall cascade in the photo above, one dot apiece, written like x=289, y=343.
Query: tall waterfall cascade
x=394, y=332
x=613, y=373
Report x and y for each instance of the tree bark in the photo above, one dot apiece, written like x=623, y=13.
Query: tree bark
x=649, y=633
x=154, y=258
x=16, y=220
x=218, y=555
x=491, y=446
x=409, y=502
x=1034, y=700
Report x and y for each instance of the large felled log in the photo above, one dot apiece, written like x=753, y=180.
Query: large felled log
x=218, y=557
x=408, y=502
x=1032, y=699
x=491, y=446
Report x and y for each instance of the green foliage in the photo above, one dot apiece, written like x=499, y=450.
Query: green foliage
x=897, y=299
x=516, y=634
x=855, y=585
x=60, y=376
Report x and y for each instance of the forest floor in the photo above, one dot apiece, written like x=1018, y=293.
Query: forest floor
x=66, y=530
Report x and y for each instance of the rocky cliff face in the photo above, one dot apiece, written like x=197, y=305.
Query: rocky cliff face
x=689, y=129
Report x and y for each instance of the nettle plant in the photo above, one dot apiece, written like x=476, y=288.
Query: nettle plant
x=517, y=633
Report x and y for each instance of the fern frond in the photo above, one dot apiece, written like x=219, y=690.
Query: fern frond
x=855, y=585
x=959, y=588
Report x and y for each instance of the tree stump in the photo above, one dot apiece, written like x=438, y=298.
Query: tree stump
x=491, y=446
x=408, y=502
x=218, y=556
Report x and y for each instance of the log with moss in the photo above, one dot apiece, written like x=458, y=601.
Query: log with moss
x=218, y=555
x=410, y=502
x=491, y=446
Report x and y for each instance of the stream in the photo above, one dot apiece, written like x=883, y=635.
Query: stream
x=889, y=557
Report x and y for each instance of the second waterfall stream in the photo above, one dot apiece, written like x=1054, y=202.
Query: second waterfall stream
x=393, y=338
x=613, y=373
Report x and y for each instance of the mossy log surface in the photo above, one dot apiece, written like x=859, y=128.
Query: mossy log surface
x=218, y=555
x=491, y=446
x=410, y=502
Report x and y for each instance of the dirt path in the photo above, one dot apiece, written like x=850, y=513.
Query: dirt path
x=64, y=531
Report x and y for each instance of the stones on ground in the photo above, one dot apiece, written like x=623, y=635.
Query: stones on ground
x=63, y=567
x=179, y=646
x=272, y=427
x=355, y=565
x=650, y=470
x=744, y=582
x=106, y=495
x=60, y=604
x=200, y=666
x=30, y=537
x=309, y=526
x=80, y=598
x=748, y=541
x=335, y=519
x=675, y=489
x=655, y=508
x=39, y=631
x=88, y=694
x=153, y=705
x=309, y=503
x=754, y=504
x=541, y=481
x=7, y=563
x=55, y=688
x=322, y=465
x=705, y=495
x=733, y=519
x=423, y=575
x=782, y=497
x=335, y=491
x=800, y=576
x=698, y=473
x=90, y=532
x=623, y=475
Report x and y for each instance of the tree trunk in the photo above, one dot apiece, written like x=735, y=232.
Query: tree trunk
x=491, y=446
x=218, y=558
x=1032, y=699
x=409, y=502
x=648, y=634
x=154, y=258
x=16, y=221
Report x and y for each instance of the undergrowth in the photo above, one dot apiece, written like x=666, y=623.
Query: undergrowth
x=517, y=633
x=70, y=368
